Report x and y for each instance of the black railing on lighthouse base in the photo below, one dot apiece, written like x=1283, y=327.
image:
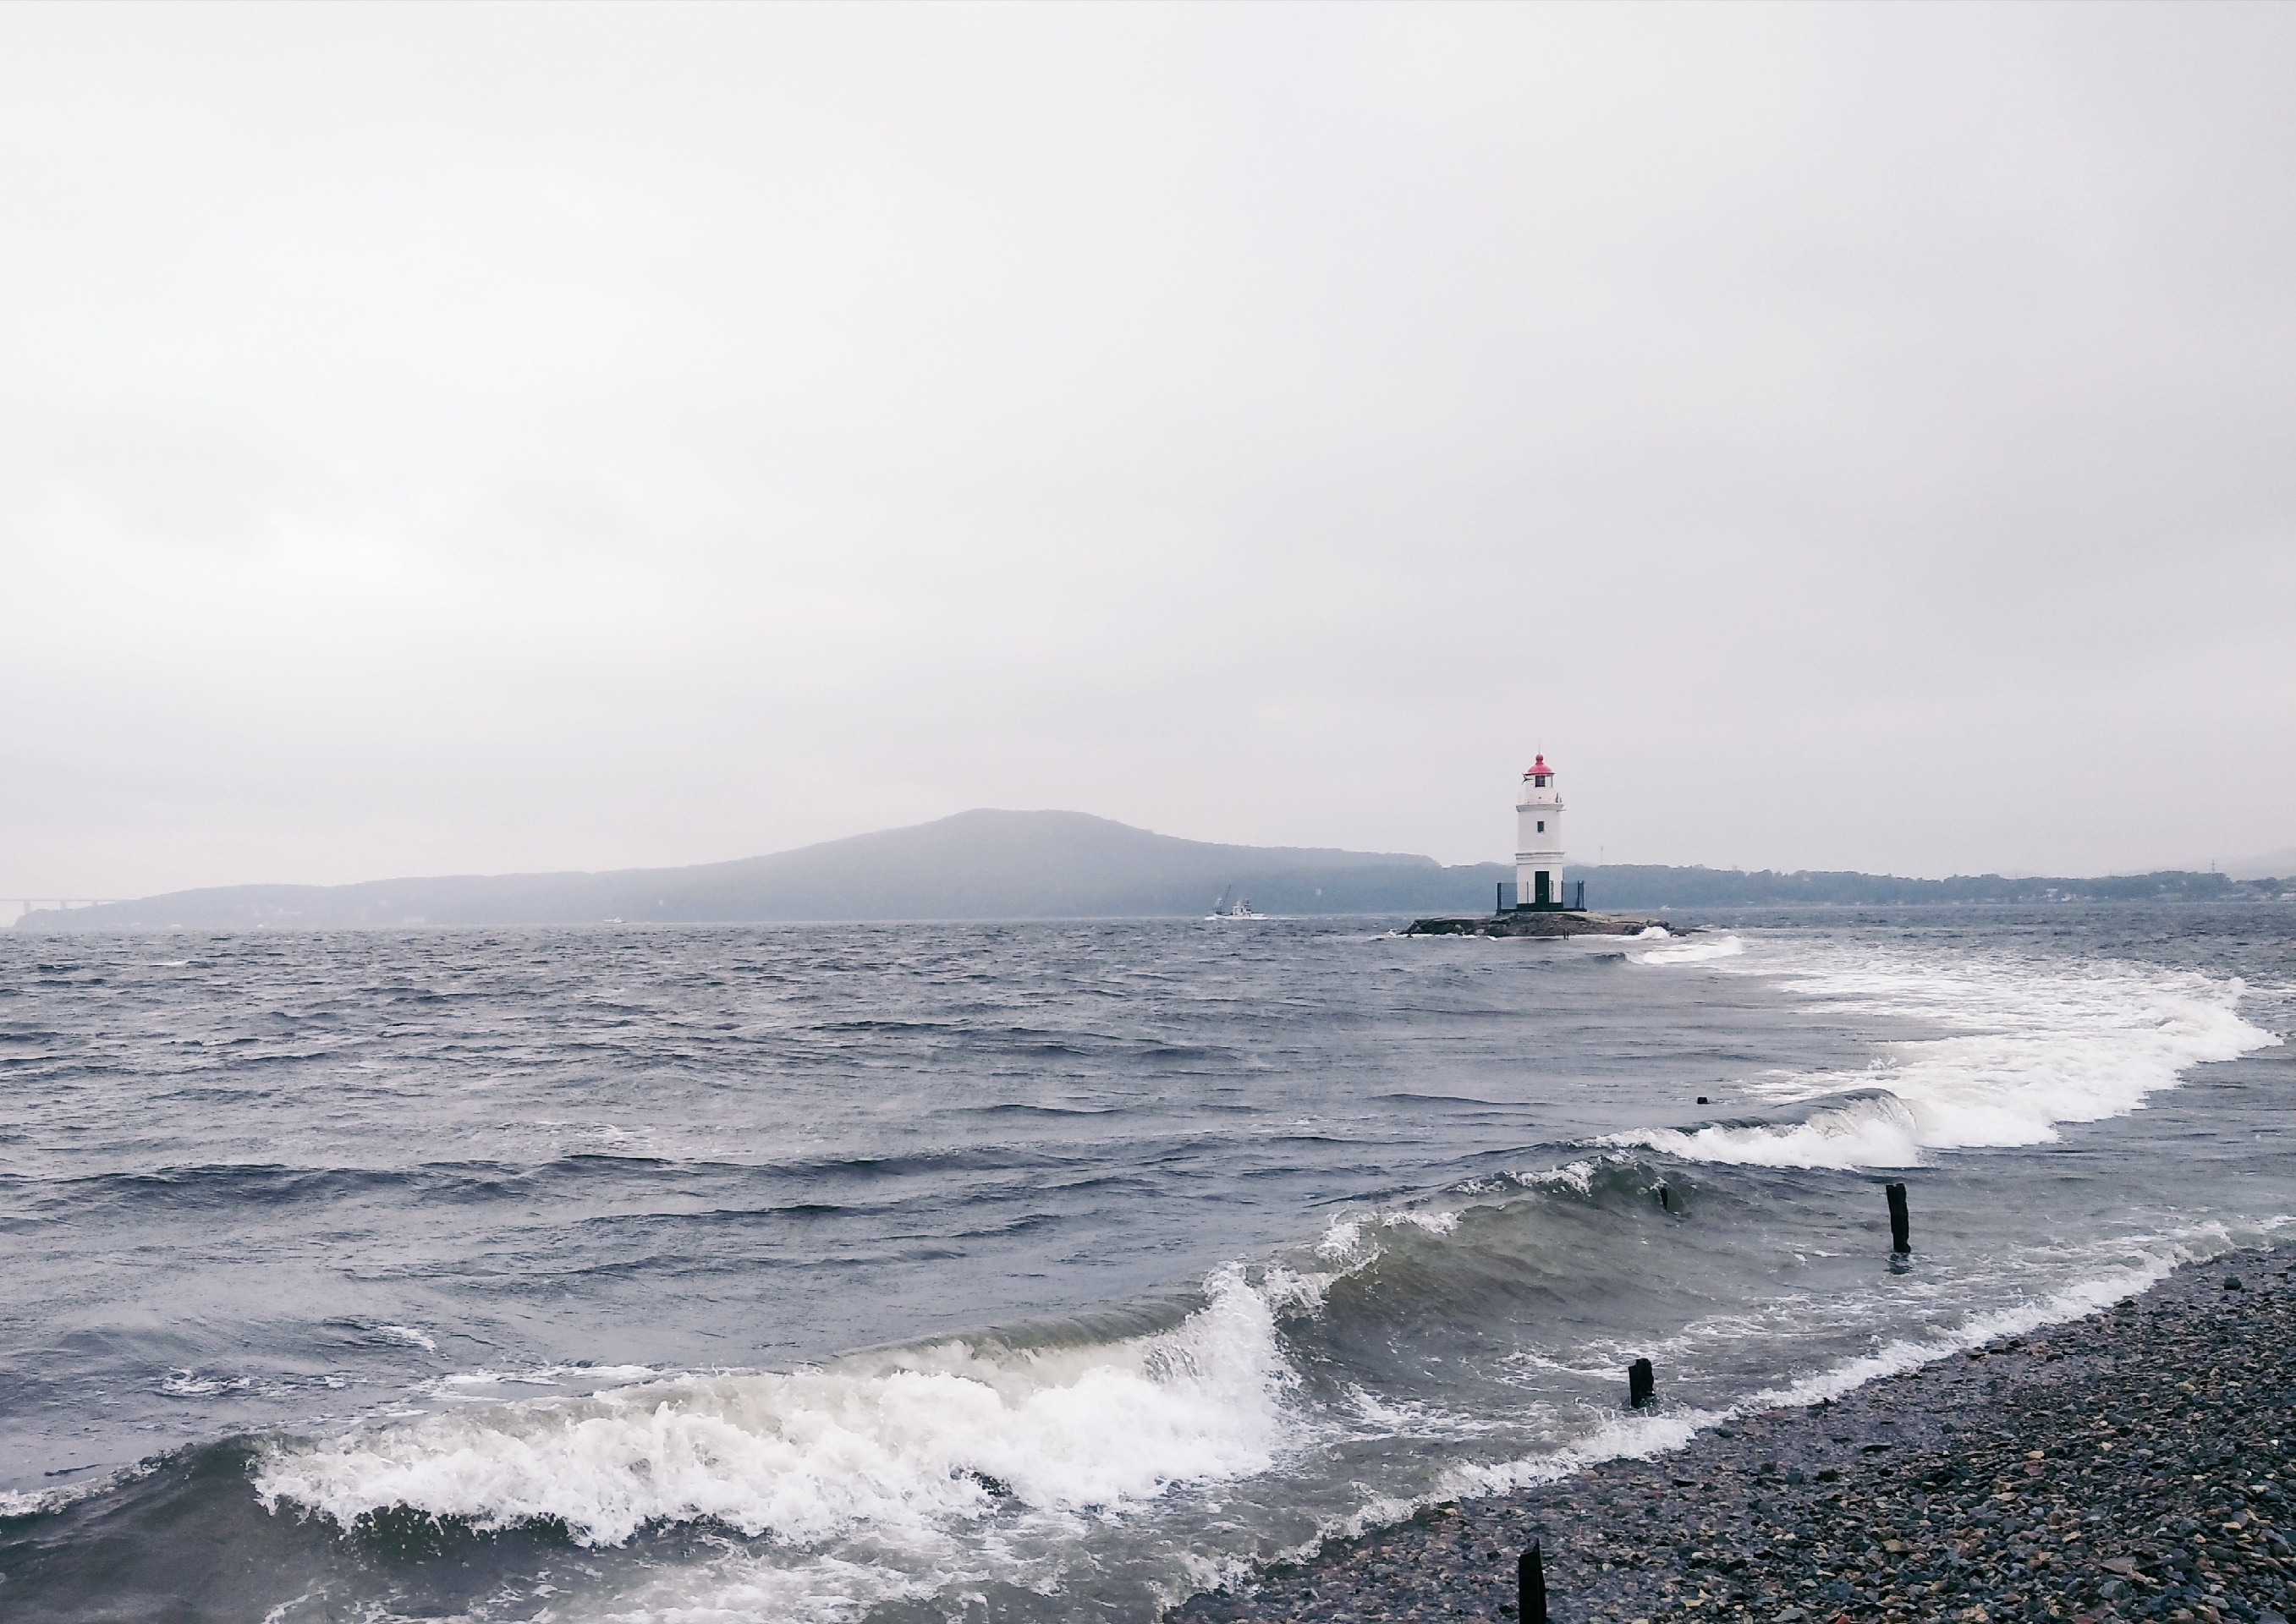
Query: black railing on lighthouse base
x=1570, y=897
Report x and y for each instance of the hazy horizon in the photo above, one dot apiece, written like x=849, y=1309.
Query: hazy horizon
x=488, y=440
x=9, y=909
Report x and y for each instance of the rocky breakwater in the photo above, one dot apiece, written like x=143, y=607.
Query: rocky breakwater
x=1531, y=921
x=2136, y=1464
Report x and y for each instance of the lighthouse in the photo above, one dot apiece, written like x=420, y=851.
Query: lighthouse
x=1538, y=838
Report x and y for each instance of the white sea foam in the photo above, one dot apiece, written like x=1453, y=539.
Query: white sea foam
x=1625, y=1435
x=190, y=1384
x=46, y=1502
x=905, y=1449
x=1632, y=1435
x=1347, y=1241
x=1640, y=1435
x=478, y=1386
x=1874, y=1130
x=748, y=1584
x=1691, y=952
x=1433, y=1222
x=2044, y=1044
x=1575, y=1176
x=1906, y=1353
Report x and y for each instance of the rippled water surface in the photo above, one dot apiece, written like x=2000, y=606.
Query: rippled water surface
x=902, y=1271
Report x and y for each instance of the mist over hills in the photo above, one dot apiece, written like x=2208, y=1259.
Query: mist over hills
x=2264, y=864
x=978, y=864
x=999, y=864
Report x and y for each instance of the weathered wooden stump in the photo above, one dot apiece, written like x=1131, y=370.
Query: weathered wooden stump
x=1530, y=1587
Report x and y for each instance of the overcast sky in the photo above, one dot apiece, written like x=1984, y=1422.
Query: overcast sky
x=461, y=439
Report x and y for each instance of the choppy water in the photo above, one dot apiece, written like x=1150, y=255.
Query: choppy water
x=1026, y=1271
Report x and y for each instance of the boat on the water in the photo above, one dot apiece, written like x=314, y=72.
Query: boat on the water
x=1240, y=908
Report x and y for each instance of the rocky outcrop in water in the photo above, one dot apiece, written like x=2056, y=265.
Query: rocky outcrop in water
x=1535, y=922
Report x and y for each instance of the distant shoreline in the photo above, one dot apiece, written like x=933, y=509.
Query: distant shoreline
x=1537, y=925
x=1667, y=915
x=988, y=864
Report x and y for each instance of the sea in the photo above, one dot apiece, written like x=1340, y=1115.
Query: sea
x=1030, y=1271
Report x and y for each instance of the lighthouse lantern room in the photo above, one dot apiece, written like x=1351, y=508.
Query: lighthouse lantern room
x=1538, y=838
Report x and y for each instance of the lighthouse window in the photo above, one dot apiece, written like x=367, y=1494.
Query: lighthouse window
x=1542, y=825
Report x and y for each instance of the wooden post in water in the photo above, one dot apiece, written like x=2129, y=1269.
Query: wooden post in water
x=1641, y=1384
x=1901, y=1222
x=1530, y=1587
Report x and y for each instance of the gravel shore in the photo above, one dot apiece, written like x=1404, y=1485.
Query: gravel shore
x=2132, y=1464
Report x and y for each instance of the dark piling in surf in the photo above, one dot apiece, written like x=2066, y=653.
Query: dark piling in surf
x=1641, y=1383
x=1901, y=1222
x=1530, y=1586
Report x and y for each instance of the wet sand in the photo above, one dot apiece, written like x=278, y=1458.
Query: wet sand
x=2132, y=1464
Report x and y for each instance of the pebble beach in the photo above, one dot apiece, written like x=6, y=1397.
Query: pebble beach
x=2131, y=1464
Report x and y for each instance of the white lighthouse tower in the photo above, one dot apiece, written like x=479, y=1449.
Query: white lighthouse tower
x=1538, y=838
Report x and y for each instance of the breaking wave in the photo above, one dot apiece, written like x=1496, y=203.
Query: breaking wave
x=1455, y=1327
x=2041, y=1045
x=1686, y=953
x=1871, y=1129
x=902, y=1447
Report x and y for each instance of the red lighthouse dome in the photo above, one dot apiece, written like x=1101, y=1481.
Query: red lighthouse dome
x=1538, y=838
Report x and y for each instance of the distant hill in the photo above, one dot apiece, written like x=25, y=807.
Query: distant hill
x=991, y=865
x=980, y=865
x=1650, y=886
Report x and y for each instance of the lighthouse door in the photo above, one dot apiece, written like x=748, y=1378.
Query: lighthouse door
x=1540, y=888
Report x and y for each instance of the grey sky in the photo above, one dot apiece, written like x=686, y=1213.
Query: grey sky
x=453, y=439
